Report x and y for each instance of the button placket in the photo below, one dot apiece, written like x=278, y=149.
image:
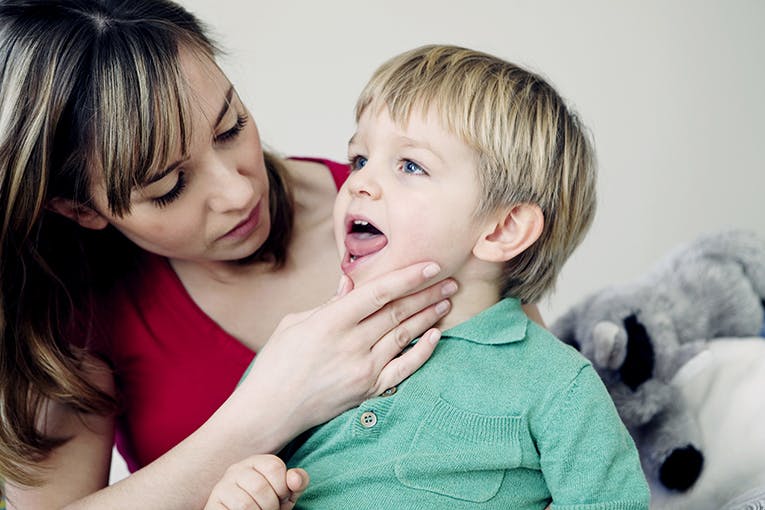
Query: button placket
x=370, y=416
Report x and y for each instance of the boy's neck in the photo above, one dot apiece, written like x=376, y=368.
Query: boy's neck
x=473, y=297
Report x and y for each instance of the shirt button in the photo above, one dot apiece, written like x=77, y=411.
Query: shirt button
x=389, y=392
x=368, y=419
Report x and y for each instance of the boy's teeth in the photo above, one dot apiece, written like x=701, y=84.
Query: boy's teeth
x=361, y=222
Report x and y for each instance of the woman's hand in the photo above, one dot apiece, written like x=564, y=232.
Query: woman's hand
x=324, y=361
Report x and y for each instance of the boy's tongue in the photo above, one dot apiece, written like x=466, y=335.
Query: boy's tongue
x=364, y=243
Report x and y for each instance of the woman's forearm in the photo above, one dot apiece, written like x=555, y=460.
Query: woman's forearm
x=183, y=478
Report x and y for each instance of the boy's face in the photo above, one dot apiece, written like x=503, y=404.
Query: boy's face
x=411, y=196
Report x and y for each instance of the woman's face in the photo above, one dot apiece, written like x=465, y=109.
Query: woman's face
x=213, y=204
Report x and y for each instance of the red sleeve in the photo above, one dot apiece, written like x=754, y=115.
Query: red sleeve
x=339, y=171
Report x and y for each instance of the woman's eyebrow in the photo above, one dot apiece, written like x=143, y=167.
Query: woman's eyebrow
x=159, y=175
x=222, y=113
x=226, y=106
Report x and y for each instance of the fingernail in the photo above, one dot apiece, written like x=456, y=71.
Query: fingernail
x=434, y=336
x=431, y=270
x=448, y=289
x=442, y=307
x=340, y=285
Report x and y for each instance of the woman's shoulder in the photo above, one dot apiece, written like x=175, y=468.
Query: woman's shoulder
x=314, y=181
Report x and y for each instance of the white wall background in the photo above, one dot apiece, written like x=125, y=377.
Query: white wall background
x=672, y=90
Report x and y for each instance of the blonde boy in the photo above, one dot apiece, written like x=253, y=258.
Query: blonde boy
x=471, y=161
x=468, y=160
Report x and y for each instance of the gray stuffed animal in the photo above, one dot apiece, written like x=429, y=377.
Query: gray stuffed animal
x=638, y=335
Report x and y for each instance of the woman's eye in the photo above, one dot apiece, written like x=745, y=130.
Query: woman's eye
x=358, y=162
x=174, y=193
x=230, y=134
x=410, y=167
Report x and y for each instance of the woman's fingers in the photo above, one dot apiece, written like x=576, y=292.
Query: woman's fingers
x=398, y=369
x=343, y=287
x=394, y=326
x=346, y=345
x=367, y=299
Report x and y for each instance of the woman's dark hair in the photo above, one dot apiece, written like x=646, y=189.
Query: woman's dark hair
x=87, y=88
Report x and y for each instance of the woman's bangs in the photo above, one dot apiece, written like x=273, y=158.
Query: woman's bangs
x=144, y=116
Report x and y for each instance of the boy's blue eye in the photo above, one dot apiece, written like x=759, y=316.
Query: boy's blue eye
x=410, y=167
x=358, y=162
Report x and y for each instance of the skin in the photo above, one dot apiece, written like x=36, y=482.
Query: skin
x=353, y=337
x=260, y=482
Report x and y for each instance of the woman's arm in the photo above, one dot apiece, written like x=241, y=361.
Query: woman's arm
x=316, y=365
x=81, y=465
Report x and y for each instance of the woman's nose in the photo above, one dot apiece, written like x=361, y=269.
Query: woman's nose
x=232, y=190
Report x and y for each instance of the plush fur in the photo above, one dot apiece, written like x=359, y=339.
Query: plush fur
x=639, y=335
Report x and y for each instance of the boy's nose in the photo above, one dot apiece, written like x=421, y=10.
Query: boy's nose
x=362, y=183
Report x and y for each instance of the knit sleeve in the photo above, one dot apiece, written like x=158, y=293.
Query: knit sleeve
x=588, y=458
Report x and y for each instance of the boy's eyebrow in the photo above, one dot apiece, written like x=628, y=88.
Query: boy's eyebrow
x=172, y=166
x=420, y=144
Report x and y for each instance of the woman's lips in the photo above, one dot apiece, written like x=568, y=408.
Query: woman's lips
x=246, y=227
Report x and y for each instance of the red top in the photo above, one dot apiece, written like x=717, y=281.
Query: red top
x=174, y=366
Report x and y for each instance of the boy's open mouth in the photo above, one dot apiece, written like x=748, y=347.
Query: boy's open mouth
x=361, y=240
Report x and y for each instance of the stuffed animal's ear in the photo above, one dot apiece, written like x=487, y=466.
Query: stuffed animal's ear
x=610, y=345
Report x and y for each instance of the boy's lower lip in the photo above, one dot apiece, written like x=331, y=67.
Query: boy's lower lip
x=364, y=247
x=347, y=265
x=246, y=227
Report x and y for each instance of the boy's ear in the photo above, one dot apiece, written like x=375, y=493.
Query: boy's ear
x=86, y=216
x=509, y=233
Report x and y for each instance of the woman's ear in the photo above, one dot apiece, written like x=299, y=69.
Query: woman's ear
x=82, y=214
x=509, y=233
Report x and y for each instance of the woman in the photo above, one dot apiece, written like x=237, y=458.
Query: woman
x=148, y=248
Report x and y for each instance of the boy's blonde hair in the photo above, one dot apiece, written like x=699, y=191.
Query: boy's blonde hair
x=532, y=148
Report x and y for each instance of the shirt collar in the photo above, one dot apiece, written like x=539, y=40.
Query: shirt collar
x=502, y=323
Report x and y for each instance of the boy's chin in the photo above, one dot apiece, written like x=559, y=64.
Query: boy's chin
x=365, y=272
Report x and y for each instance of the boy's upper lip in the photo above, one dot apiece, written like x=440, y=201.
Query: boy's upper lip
x=363, y=241
x=351, y=219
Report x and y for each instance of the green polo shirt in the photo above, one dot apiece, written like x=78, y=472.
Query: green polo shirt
x=503, y=415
